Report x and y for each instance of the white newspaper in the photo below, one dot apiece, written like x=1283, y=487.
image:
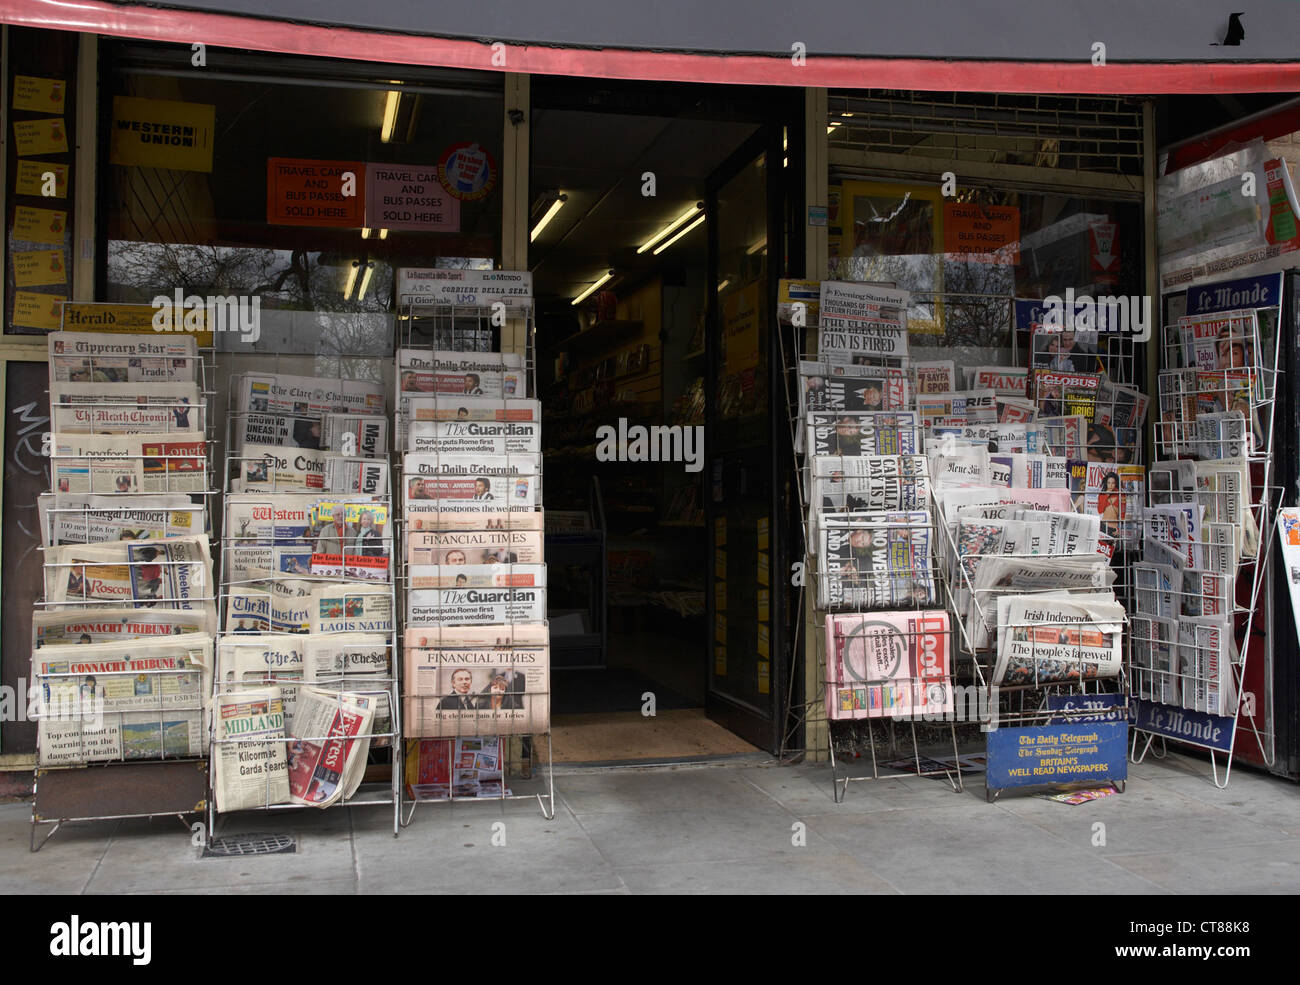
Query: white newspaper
x=351, y=608
x=1047, y=639
x=92, y=357
x=271, y=470
x=251, y=764
x=68, y=518
x=126, y=408
x=124, y=463
x=424, y=372
x=330, y=737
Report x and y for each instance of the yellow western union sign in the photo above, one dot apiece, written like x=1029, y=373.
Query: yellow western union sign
x=159, y=133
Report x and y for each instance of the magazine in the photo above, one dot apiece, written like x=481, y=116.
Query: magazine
x=1063, y=351
x=251, y=767
x=889, y=665
x=1061, y=394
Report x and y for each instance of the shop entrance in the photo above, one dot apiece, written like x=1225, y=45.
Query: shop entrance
x=650, y=252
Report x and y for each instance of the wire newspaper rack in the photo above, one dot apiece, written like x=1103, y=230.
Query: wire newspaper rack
x=869, y=538
x=307, y=601
x=1208, y=537
x=476, y=643
x=128, y=581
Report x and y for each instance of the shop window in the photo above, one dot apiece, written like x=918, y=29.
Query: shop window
x=230, y=180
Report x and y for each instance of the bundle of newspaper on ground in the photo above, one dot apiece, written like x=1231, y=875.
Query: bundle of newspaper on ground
x=476, y=640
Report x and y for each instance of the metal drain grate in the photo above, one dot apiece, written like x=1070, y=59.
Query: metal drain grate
x=241, y=846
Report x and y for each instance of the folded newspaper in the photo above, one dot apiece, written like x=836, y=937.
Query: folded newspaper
x=329, y=739
x=68, y=518
x=122, y=463
x=1051, y=638
x=92, y=357
x=251, y=764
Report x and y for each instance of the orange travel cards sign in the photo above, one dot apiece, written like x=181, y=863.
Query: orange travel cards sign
x=982, y=232
x=315, y=193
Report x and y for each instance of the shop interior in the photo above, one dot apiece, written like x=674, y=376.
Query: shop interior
x=619, y=255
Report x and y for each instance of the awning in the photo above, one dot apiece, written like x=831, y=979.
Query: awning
x=1007, y=46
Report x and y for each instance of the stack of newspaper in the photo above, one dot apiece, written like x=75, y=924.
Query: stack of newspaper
x=297, y=433
x=305, y=671
x=476, y=641
x=122, y=649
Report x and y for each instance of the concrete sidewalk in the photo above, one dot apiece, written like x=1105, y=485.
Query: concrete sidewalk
x=726, y=828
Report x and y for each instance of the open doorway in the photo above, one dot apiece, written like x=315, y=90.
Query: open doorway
x=636, y=381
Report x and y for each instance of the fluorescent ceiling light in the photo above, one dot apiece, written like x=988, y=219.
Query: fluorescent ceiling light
x=723, y=284
x=390, y=115
x=365, y=281
x=591, y=290
x=365, y=232
x=667, y=230
x=760, y=245
x=352, y=279
x=550, y=214
x=383, y=234
x=830, y=127
x=685, y=229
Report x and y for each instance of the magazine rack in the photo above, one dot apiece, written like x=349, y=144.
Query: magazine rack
x=294, y=567
x=911, y=591
x=156, y=764
x=471, y=757
x=1217, y=401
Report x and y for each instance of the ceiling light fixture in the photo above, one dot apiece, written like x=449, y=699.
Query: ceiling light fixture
x=365, y=232
x=757, y=247
x=558, y=204
x=697, y=208
x=390, y=115
x=592, y=289
x=723, y=284
x=383, y=234
x=352, y=279
x=365, y=280
x=685, y=229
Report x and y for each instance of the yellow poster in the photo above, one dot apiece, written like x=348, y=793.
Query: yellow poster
x=762, y=533
x=720, y=596
x=764, y=677
x=765, y=641
x=39, y=225
x=39, y=268
x=85, y=316
x=39, y=95
x=764, y=604
x=40, y=136
x=160, y=133
x=30, y=179
x=719, y=627
x=764, y=574
x=740, y=319
x=720, y=661
x=32, y=310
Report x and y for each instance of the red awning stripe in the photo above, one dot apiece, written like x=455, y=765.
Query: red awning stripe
x=226, y=31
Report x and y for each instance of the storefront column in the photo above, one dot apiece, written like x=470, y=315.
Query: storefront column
x=816, y=256
x=1151, y=257
x=83, y=215
x=514, y=191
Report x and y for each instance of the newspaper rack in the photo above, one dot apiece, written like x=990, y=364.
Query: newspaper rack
x=147, y=757
x=473, y=751
x=1218, y=388
x=913, y=593
x=292, y=560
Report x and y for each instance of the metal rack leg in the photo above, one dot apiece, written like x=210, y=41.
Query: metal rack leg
x=960, y=785
x=838, y=793
x=31, y=838
x=547, y=801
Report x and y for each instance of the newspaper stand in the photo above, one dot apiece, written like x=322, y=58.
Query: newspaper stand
x=470, y=329
x=379, y=688
x=165, y=774
x=917, y=591
x=1023, y=721
x=1175, y=684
